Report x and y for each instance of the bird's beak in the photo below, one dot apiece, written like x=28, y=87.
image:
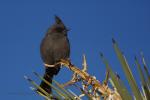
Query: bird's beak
x=67, y=29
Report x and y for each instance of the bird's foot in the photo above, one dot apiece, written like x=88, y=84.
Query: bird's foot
x=47, y=65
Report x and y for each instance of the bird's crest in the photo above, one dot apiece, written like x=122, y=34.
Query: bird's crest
x=57, y=20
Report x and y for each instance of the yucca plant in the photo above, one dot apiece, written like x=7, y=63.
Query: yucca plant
x=91, y=88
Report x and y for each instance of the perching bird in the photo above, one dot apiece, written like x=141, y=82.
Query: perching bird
x=54, y=47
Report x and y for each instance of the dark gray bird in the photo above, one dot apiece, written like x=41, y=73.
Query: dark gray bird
x=54, y=47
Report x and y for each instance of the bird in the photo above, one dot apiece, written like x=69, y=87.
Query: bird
x=54, y=47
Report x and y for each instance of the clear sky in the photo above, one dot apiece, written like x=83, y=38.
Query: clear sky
x=93, y=23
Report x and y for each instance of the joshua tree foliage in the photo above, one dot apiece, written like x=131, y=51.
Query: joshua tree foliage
x=93, y=89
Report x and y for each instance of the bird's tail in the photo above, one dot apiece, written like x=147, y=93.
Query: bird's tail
x=48, y=76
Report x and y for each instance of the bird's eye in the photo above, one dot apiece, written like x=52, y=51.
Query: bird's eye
x=59, y=29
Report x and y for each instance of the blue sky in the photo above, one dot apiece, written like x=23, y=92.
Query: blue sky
x=93, y=23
